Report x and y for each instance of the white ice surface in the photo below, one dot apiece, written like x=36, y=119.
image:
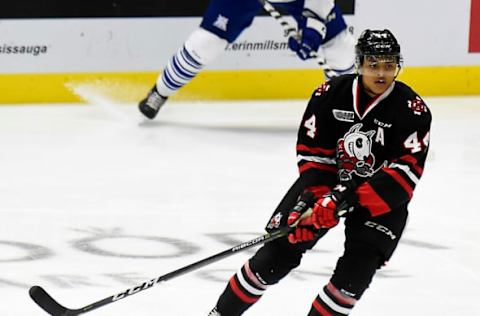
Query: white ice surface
x=92, y=203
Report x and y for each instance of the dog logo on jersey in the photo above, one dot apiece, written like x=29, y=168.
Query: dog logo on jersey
x=354, y=153
x=221, y=22
x=417, y=106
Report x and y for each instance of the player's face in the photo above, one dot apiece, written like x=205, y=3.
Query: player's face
x=378, y=74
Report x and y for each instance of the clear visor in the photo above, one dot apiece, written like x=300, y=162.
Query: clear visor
x=387, y=65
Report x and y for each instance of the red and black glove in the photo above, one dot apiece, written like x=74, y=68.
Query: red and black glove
x=326, y=212
x=303, y=231
x=338, y=202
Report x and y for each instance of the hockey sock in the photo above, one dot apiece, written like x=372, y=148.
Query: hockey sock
x=200, y=48
x=331, y=302
x=182, y=68
x=243, y=290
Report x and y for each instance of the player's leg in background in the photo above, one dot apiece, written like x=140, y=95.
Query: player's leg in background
x=198, y=50
x=223, y=22
x=339, y=45
x=339, y=53
x=367, y=249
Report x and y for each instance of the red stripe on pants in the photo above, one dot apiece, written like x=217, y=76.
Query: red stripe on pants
x=368, y=198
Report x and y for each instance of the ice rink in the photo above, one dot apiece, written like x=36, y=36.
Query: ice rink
x=94, y=201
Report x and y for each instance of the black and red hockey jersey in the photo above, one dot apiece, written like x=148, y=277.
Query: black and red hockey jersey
x=381, y=146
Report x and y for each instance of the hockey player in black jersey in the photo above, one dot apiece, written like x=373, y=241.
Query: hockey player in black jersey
x=361, y=149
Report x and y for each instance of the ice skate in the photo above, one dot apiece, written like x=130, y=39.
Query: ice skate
x=151, y=104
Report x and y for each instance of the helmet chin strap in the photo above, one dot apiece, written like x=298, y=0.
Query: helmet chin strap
x=398, y=71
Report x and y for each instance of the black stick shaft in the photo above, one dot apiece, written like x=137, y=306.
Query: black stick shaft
x=47, y=303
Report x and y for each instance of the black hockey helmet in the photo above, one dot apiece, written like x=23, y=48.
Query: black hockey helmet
x=377, y=43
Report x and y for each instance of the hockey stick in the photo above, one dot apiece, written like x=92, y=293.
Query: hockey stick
x=290, y=30
x=51, y=306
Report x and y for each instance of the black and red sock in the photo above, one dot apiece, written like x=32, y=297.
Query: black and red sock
x=243, y=290
x=331, y=302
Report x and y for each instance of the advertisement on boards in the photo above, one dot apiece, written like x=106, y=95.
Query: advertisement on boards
x=139, y=37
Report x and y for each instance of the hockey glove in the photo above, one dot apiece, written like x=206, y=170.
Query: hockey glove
x=312, y=32
x=303, y=230
x=338, y=202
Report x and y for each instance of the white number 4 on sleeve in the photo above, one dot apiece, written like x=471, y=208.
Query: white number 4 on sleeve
x=310, y=126
x=414, y=144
